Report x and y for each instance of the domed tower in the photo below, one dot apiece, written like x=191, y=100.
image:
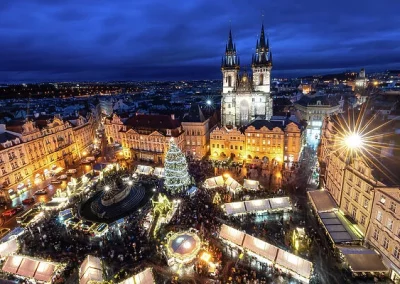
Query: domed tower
x=262, y=64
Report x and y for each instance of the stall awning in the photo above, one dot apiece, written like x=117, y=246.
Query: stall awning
x=260, y=247
x=338, y=228
x=144, y=277
x=144, y=170
x=232, y=235
x=251, y=184
x=321, y=200
x=220, y=181
x=159, y=172
x=29, y=267
x=90, y=270
x=210, y=183
x=8, y=247
x=235, y=208
x=280, y=203
x=257, y=205
x=294, y=263
x=232, y=184
x=362, y=259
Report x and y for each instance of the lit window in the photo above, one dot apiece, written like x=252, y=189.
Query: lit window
x=389, y=224
x=383, y=199
x=379, y=216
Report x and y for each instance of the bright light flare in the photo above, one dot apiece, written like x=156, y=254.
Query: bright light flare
x=209, y=102
x=353, y=141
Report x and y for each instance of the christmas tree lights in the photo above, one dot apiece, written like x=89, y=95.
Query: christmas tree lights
x=176, y=169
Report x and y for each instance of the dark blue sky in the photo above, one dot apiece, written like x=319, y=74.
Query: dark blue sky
x=46, y=40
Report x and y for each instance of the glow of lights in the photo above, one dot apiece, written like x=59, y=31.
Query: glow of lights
x=130, y=182
x=154, y=189
x=205, y=256
x=187, y=245
x=353, y=141
x=84, y=153
x=208, y=102
x=226, y=175
x=106, y=188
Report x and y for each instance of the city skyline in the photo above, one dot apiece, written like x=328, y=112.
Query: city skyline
x=59, y=41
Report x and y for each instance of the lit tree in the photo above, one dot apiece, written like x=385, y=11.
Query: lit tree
x=176, y=169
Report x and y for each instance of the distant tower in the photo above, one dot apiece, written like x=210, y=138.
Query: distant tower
x=230, y=66
x=361, y=81
x=262, y=64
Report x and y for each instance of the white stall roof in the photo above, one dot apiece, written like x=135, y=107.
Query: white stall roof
x=231, y=234
x=280, y=203
x=232, y=184
x=8, y=247
x=159, y=172
x=251, y=184
x=144, y=170
x=210, y=183
x=257, y=205
x=220, y=181
x=90, y=270
x=235, y=208
x=294, y=263
x=260, y=247
x=144, y=277
x=30, y=267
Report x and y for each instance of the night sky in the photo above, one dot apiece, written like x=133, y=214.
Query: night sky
x=58, y=40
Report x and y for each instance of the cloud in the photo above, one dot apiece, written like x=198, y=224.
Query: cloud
x=153, y=39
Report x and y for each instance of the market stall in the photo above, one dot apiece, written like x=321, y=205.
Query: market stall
x=260, y=248
x=159, y=172
x=231, y=235
x=280, y=203
x=299, y=267
x=362, y=260
x=251, y=184
x=257, y=206
x=144, y=277
x=144, y=170
x=29, y=267
x=183, y=247
x=9, y=247
x=210, y=183
x=232, y=185
x=90, y=270
x=235, y=208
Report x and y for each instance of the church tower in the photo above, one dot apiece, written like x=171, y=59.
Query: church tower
x=262, y=65
x=230, y=66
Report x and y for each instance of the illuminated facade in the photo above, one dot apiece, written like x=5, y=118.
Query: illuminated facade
x=32, y=149
x=384, y=230
x=245, y=97
x=145, y=137
x=278, y=141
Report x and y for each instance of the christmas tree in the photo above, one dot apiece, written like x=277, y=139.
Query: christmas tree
x=176, y=170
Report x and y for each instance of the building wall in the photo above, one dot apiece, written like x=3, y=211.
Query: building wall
x=276, y=144
x=197, y=136
x=384, y=230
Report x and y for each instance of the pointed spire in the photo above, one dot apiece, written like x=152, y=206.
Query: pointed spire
x=230, y=41
x=267, y=43
x=257, y=45
x=262, y=36
x=270, y=57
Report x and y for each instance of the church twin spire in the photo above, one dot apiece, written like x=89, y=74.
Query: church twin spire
x=261, y=58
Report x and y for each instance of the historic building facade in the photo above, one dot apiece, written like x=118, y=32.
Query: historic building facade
x=145, y=137
x=246, y=97
x=278, y=141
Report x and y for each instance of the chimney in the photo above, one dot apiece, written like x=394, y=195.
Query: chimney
x=173, y=116
x=2, y=128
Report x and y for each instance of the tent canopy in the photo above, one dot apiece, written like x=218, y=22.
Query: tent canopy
x=90, y=270
x=144, y=170
x=279, y=203
x=251, y=184
x=29, y=267
x=362, y=259
x=159, y=172
x=144, y=277
x=257, y=205
x=8, y=247
x=338, y=228
x=232, y=235
x=235, y=208
x=294, y=263
x=260, y=247
x=232, y=184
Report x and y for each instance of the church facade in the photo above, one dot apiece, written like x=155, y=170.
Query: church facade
x=246, y=97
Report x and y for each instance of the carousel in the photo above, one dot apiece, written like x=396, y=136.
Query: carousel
x=183, y=247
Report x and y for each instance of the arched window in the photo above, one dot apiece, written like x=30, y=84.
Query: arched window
x=261, y=81
x=229, y=81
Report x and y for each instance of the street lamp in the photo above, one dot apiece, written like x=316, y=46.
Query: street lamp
x=106, y=188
